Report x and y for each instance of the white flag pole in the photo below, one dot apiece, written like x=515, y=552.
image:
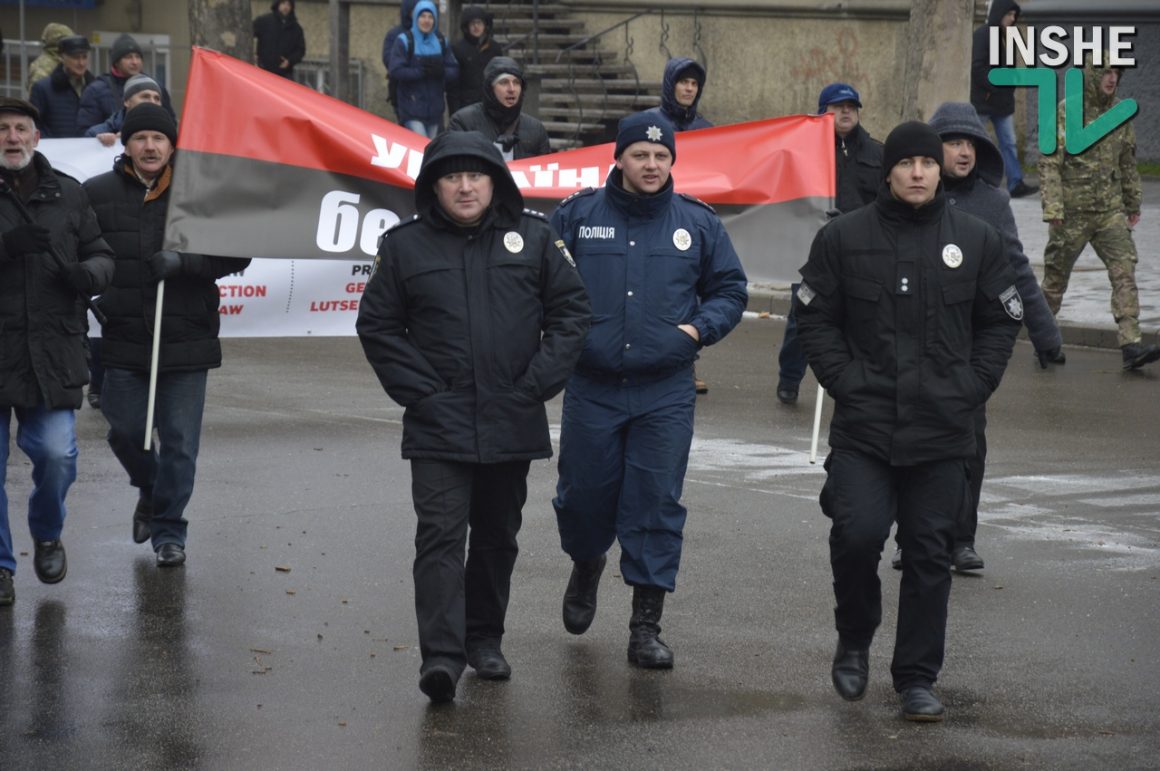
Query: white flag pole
x=817, y=424
x=153, y=365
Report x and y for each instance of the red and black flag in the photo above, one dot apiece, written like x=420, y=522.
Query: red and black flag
x=270, y=168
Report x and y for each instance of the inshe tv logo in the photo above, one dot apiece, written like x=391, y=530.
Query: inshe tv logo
x=1051, y=53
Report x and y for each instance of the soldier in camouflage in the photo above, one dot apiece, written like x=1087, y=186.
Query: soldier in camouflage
x=1095, y=198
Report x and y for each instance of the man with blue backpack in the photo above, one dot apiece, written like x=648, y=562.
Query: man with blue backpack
x=421, y=64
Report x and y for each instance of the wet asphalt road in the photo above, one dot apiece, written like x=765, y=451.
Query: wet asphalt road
x=288, y=640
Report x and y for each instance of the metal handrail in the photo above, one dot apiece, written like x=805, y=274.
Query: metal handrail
x=602, y=33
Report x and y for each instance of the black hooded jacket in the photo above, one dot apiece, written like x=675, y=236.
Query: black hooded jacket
x=989, y=99
x=522, y=135
x=279, y=37
x=682, y=118
x=473, y=54
x=471, y=329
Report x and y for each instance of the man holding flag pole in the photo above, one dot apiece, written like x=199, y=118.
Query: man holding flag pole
x=131, y=203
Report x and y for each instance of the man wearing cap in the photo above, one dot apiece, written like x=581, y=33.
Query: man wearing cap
x=665, y=282
x=104, y=96
x=58, y=96
x=43, y=65
x=858, y=162
x=473, y=317
x=47, y=266
x=500, y=117
x=130, y=202
x=908, y=313
x=139, y=88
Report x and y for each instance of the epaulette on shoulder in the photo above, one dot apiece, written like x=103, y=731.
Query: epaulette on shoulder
x=696, y=200
x=404, y=223
x=537, y=214
x=578, y=194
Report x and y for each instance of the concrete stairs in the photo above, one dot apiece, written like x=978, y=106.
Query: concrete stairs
x=579, y=93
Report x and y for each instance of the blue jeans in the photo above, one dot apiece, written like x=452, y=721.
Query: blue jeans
x=791, y=360
x=49, y=439
x=429, y=130
x=1005, y=133
x=166, y=471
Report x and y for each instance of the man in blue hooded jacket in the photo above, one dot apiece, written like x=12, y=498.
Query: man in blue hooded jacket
x=664, y=281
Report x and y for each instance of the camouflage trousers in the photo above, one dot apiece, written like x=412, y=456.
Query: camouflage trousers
x=1110, y=237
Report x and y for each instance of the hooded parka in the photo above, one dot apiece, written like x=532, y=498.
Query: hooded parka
x=989, y=99
x=683, y=118
x=523, y=136
x=472, y=329
x=279, y=37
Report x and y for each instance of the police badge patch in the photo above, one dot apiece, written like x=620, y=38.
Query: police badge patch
x=682, y=240
x=564, y=251
x=952, y=256
x=1012, y=302
x=805, y=294
x=513, y=242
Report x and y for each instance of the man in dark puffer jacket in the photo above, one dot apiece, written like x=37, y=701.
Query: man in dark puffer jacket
x=131, y=203
x=500, y=118
x=42, y=330
x=58, y=97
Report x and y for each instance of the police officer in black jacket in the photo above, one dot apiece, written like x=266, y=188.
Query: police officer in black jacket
x=908, y=313
x=474, y=316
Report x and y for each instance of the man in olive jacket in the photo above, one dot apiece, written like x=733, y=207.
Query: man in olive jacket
x=474, y=316
x=130, y=202
x=42, y=330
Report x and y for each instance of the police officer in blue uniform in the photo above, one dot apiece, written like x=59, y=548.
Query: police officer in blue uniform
x=664, y=281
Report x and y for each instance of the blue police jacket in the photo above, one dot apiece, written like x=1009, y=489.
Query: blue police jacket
x=650, y=263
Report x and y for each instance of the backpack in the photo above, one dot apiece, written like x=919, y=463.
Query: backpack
x=393, y=86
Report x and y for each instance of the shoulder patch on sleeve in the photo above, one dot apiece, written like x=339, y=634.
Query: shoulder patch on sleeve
x=1012, y=302
x=805, y=295
x=696, y=200
x=564, y=251
x=578, y=194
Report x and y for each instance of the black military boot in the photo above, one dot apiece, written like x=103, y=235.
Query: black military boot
x=580, y=596
x=1136, y=355
x=645, y=649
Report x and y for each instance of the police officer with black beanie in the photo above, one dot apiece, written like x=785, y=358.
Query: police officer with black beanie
x=908, y=313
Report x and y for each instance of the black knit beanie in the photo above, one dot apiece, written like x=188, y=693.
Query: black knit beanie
x=148, y=117
x=908, y=140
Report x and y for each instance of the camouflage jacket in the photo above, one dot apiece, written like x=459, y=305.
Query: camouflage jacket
x=1104, y=177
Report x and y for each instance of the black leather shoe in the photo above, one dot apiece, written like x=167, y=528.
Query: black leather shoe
x=489, y=663
x=50, y=561
x=851, y=672
x=896, y=560
x=7, y=590
x=1023, y=189
x=787, y=393
x=580, y=597
x=170, y=555
x=921, y=705
x=438, y=683
x=1136, y=355
x=141, y=516
x=645, y=647
x=965, y=558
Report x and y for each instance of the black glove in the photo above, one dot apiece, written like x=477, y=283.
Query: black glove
x=433, y=66
x=1050, y=356
x=27, y=239
x=162, y=265
x=81, y=279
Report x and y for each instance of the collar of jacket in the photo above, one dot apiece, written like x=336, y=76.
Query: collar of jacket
x=152, y=191
x=634, y=205
x=900, y=212
x=493, y=219
x=852, y=140
x=961, y=185
x=22, y=183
